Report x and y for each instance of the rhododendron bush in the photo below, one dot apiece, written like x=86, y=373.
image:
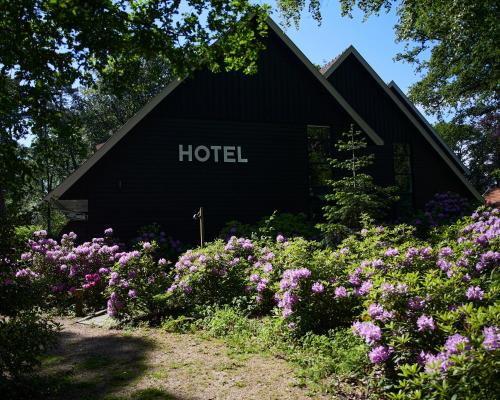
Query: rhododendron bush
x=428, y=310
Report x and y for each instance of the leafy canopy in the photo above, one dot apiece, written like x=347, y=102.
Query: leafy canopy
x=49, y=45
x=49, y=48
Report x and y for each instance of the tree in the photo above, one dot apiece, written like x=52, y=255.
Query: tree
x=477, y=146
x=49, y=47
x=355, y=194
x=90, y=117
x=462, y=73
x=100, y=110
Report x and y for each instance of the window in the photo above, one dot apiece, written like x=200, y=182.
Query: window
x=319, y=149
x=403, y=173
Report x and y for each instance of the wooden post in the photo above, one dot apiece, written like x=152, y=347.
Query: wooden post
x=79, y=302
x=202, y=227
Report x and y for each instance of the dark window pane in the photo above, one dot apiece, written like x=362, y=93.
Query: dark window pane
x=318, y=138
x=403, y=182
x=402, y=167
x=402, y=164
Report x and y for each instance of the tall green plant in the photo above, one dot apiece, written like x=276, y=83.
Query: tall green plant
x=355, y=193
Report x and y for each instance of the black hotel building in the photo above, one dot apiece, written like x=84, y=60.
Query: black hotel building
x=243, y=146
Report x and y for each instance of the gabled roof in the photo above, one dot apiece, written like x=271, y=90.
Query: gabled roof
x=445, y=155
x=132, y=122
x=325, y=67
x=420, y=118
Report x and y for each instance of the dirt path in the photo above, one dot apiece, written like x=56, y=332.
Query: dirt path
x=144, y=364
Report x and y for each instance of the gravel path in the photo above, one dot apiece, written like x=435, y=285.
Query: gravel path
x=144, y=364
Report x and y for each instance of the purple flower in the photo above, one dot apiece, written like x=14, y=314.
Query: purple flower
x=425, y=323
x=445, y=252
x=146, y=245
x=340, y=292
x=390, y=252
x=108, y=232
x=377, y=312
x=416, y=303
x=317, y=288
x=411, y=253
x=368, y=331
x=132, y=293
x=491, y=338
x=379, y=354
x=261, y=286
x=26, y=272
x=365, y=288
x=162, y=262
x=444, y=265
x=455, y=342
x=254, y=278
x=280, y=238
x=426, y=252
x=435, y=363
x=287, y=312
x=40, y=234
x=268, y=267
x=234, y=261
x=474, y=293
x=354, y=279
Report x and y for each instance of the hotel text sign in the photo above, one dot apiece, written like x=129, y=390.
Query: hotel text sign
x=226, y=154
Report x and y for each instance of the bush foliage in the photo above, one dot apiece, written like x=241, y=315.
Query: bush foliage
x=418, y=316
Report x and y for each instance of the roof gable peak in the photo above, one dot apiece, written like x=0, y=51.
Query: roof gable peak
x=132, y=122
x=445, y=155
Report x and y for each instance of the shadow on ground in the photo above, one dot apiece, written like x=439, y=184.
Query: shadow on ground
x=94, y=368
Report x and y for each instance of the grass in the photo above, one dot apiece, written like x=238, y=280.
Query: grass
x=223, y=349
x=322, y=362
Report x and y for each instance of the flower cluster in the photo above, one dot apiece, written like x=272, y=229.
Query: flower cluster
x=444, y=207
x=66, y=266
x=287, y=297
x=99, y=267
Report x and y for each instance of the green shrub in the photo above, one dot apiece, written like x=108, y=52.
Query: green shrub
x=24, y=337
x=212, y=275
x=286, y=224
x=134, y=282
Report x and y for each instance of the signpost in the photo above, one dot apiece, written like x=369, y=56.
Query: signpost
x=200, y=215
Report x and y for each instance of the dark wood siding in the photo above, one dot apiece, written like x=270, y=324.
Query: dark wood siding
x=430, y=172
x=141, y=181
x=426, y=128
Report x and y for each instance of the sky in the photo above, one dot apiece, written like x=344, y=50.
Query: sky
x=374, y=39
